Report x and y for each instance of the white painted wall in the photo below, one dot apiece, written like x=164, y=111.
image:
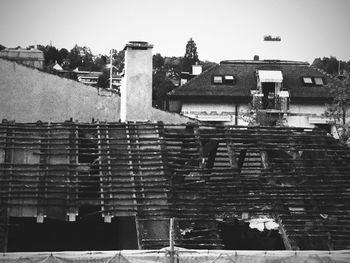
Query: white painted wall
x=207, y=111
x=304, y=111
x=208, y=107
x=317, y=109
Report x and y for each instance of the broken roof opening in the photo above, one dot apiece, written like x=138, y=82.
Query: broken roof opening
x=87, y=233
x=240, y=235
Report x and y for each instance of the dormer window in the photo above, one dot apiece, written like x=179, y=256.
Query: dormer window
x=217, y=80
x=307, y=80
x=229, y=79
x=224, y=79
x=319, y=81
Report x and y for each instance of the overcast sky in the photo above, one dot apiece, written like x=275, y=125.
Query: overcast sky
x=222, y=29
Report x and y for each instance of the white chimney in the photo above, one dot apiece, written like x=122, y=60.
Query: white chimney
x=136, y=90
x=196, y=69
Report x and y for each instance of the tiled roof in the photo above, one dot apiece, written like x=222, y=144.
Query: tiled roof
x=245, y=75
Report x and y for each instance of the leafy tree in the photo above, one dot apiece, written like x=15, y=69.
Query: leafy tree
x=339, y=107
x=191, y=56
x=158, y=61
x=51, y=55
x=75, y=59
x=103, y=80
x=62, y=55
x=331, y=65
x=118, y=60
x=161, y=86
x=99, y=63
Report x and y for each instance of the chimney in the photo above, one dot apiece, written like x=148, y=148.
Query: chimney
x=196, y=69
x=136, y=91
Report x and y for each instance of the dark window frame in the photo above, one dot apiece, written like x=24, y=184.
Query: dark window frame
x=313, y=81
x=224, y=81
x=322, y=78
x=307, y=83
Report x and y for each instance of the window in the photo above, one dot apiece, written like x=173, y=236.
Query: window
x=217, y=80
x=224, y=79
x=229, y=79
x=307, y=80
x=319, y=81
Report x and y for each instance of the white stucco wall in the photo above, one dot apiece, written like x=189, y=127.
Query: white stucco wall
x=300, y=114
x=224, y=112
x=208, y=107
x=210, y=111
x=317, y=109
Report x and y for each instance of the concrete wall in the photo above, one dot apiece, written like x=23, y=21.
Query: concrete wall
x=136, y=88
x=29, y=95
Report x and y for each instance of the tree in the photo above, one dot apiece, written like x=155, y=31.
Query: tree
x=331, y=65
x=99, y=63
x=158, y=61
x=74, y=57
x=62, y=55
x=161, y=86
x=118, y=60
x=191, y=56
x=339, y=107
x=51, y=55
x=2, y=47
x=103, y=80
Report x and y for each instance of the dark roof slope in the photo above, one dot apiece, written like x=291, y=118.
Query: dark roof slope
x=245, y=75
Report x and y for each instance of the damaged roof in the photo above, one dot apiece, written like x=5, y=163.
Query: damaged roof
x=245, y=71
x=200, y=175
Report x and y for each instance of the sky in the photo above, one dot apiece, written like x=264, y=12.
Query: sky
x=222, y=29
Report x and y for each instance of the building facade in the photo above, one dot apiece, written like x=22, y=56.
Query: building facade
x=293, y=92
x=31, y=57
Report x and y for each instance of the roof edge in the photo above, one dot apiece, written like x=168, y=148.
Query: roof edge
x=266, y=62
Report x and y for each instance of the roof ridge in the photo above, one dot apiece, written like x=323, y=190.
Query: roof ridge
x=327, y=74
x=196, y=77
x=283, y=62
x=41, y=70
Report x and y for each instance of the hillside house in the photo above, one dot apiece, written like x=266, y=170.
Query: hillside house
x=226, y=93
x=31, y=57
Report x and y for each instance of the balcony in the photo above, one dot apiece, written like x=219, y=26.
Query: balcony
x=270, y=102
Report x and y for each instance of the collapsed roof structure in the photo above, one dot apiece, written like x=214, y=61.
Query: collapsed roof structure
x=213, y=180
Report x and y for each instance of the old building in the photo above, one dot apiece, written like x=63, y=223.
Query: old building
x=31, y=57
x=101, y=186
x=227, y=93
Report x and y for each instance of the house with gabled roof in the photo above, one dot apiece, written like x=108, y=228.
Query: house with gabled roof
x=226, y=93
